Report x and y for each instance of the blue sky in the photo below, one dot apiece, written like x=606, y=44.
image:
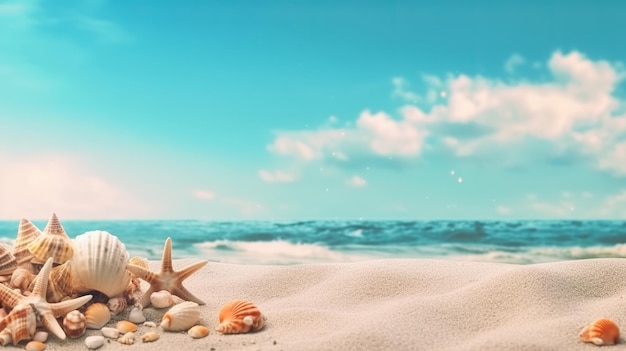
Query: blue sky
x=312, y=110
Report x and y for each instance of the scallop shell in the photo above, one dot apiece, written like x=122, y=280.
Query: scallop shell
x=63, y=283
x=161, y=299
x=602, y=331
x=181, y=317
x=22, y=323
x=8, y=263
x=53, y=243
x=127, y=339
x=27, y=232
x=150, y=336
x=97, y=315
x=74, y=324
x=239, y=316
x=100, y=262
x=126, y=326
x=35, y=346
x=198, y=331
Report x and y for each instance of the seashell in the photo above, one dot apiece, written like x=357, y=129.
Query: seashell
x=97, y=315
x=63, y=283
x=150, y=337
x=100, y=262
x=22, y=323
x=239, y=316
x=198, y=331
x=602, y=331
x=181, y=317
x=40, y=336
x=35, y=346
x=94, y=341
x=127, y=339
x=110, y=333
x=8, y=262
x=21, y=278
x=161, y=299
x=5, y=337
x=136, y=315
x=149, y=324
x=126, y=326
x=27, y=232
x=139, y=261
x=74, y=324
x=53, y=243
x=117, y=305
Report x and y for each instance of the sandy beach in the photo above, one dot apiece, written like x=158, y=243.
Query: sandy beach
x=400, y=304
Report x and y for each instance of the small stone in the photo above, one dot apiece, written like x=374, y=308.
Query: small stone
x=94, y=341
x=111, y=333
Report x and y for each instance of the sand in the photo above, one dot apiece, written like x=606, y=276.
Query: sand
x=401, y=304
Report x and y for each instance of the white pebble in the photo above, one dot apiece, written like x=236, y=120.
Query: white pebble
x=41, y=336
x=149, y=324
x=136, y=316
x=111, y=333
x=94, y=341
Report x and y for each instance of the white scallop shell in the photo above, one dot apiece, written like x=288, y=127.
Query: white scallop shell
x=161, y=299
x=100, y=261
x=181, y=317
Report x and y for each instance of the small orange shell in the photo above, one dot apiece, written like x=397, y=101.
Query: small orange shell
x=97, y=315
x=602, y=331
x=35, y=346
x=240, y=316
x=198, y=331
x=126, y=326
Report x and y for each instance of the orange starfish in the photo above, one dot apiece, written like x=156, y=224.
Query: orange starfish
x=167, y=278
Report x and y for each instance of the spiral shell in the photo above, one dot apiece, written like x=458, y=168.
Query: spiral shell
x=22, y=323
x=8, y=262
x=127, y=338
x=97, y=315
x=602, y=331
x=21, y=278
x=53, y=243
x=181, y=317
x=150, y=336
x=161, y=299
x=240, y=316
x=27, y=232
x=100, y=262
x=117, y=305
x=74, y=324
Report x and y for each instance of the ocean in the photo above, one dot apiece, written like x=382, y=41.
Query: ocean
x=296, y=242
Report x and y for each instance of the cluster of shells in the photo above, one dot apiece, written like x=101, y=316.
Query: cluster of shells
x=52, y=283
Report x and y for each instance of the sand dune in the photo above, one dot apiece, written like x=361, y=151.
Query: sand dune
x=405, y=304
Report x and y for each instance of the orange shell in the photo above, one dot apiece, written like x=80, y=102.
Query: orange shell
x=602, y=331
x=240, y=316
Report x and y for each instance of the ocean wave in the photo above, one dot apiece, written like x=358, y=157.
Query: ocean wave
x=546, y=254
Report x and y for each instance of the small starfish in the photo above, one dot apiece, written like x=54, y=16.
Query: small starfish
x=167, y=278
x=35, y=307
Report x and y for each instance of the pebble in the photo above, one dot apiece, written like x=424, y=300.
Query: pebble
x=94, y=341
x=136, y=315
x=35, y=346
x=111, y=333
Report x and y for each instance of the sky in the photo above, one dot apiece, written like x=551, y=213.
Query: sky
x=305, y=110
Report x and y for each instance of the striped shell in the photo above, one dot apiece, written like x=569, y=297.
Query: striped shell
x=239, y=316
x=21, y=322
x=27, y=232
x=181, y=317
x=21, y=278
x=139, y=261
x=100, y=262
x=53, y=243
x=97, y=315
x=74, y=324
x=8, y=263
x=602, y=331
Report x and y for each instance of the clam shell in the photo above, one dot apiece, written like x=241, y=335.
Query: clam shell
x=35, y=346
x=27, y=232
x=97, y=315
x=239, y=316
x=198, y=331
x=161, y=299
x=100, y=262
x=110, y=333
x=181, y=317
x=602, y=331
x=53, y=243
x=126, y=326
x=150, y=336
x=74, y=324
x=21, y=322
x=8, y=262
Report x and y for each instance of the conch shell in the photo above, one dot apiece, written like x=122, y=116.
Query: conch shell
x=27, y=232
x=240, y=316
x=53, y=243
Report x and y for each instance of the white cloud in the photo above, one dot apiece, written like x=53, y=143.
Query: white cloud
x=202, y=194
x=357, y=181
x=276, y=176
x=401, y=90
x=515, y=61
x=503, y=210
x=34, y=187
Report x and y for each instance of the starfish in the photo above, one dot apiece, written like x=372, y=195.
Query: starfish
x=167, y=278
x=29, y=311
